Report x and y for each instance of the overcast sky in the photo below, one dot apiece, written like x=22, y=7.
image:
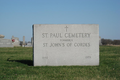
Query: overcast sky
x=18, y=16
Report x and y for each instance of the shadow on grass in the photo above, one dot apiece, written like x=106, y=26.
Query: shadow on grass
x=28, y=62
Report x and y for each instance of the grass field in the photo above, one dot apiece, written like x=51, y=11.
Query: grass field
x=16, y=64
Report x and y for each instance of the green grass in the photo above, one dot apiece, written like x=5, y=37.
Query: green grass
x=16, y=64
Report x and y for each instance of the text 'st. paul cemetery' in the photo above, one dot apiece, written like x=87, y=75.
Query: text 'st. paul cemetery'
x=65, y=44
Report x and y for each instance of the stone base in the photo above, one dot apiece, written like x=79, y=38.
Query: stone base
x=23, y=45
x=28, y=46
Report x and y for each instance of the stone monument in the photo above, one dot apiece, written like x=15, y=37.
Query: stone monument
x=5, y=42
x=15, y=41
x=23, y=45
x=65, y=44
x=100, y=43
x=29, y=44
x=32, y=41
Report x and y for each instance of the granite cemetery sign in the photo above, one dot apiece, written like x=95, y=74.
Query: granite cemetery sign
x=65, y=44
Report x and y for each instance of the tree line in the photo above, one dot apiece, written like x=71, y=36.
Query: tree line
x=110, y=42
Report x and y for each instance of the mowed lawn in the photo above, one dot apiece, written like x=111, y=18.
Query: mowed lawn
x=16, y=64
